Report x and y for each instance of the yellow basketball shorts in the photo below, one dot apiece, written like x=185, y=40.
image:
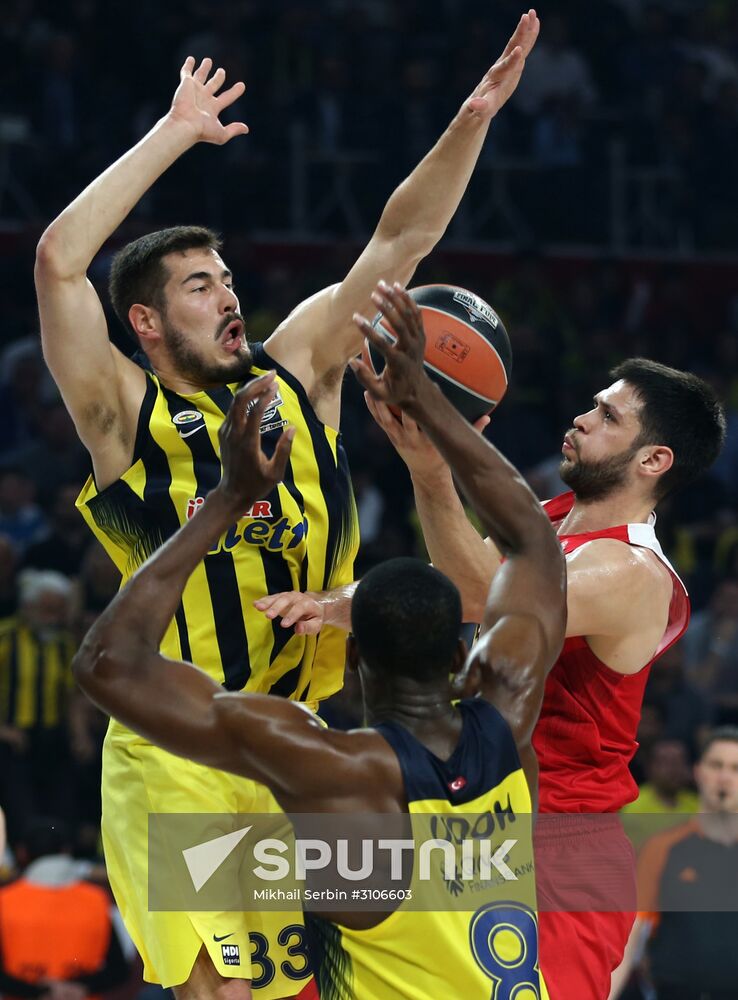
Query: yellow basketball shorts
x=140, y=779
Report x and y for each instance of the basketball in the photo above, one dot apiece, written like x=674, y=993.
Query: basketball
x=467, y=350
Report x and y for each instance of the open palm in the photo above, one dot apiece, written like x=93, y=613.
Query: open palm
x=198, y=103
x=500, y=81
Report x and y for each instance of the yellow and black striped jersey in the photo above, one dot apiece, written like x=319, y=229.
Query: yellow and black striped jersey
x=35, y=676
x=303, y=536
x=480, y=940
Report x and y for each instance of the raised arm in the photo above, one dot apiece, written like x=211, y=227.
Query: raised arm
x=101, y=387
x=176, y=705
x=525, y=617
x=316, y=341
x=454, y=545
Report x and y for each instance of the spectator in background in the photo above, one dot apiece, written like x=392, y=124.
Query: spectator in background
x=56, y=456
x=64, y=547
x=8, y=570
x=23, y=380
x=57, y=936
x=21, y=519
x=36, y=699
x=99, y=583
x=688, y=890
x=685, y=711
x=711, y=650
x=665, y=794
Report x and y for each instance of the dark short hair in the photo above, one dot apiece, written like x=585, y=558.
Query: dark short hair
x=678, y=410
x=406, y=618
x=137, y=273
x=723, y=734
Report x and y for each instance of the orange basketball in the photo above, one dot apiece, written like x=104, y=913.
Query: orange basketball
x=467, y=350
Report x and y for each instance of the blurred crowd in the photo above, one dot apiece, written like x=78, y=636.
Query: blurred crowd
x=373, y=82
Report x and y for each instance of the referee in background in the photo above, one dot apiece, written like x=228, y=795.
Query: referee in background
x=688, y=890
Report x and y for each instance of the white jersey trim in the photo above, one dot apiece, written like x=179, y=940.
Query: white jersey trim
x=644, y=536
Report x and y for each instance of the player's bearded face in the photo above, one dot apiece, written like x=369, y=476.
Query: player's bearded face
x=195, y=357
x=594, y=479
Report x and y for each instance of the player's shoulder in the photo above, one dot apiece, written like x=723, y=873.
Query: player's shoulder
x=636, y=566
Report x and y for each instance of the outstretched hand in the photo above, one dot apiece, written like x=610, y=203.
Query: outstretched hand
x=403, y=379
x=198, y=104
x=303, y=611
x=500, y=81
x=248, y=474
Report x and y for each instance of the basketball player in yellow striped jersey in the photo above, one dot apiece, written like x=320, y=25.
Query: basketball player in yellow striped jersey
x=422, y=752
x=151, y=430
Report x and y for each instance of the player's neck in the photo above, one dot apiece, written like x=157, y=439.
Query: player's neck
x=411, y=705
x=608, y=512
x=183, y=385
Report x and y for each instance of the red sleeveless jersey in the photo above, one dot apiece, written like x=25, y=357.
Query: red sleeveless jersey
x=586, y=734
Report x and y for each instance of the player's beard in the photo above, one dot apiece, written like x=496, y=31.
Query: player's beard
x=597, y=480
x=194, y=368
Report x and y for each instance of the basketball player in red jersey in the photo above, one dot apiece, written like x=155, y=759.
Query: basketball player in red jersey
x=652, y=430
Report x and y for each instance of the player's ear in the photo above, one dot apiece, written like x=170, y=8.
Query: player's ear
x=143, y=319
x=352, y=654
x=656, y=461
x=459, y=659
x=459, y=675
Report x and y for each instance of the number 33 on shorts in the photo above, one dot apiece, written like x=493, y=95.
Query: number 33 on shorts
x=292, y=961
x=504, y=940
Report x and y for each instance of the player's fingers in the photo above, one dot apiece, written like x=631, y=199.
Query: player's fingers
x=308, y=626
x=373, y=385
x=276, y=604
x=234, y=129
x=278, y=464
x=267, y=602
x=411, y=428
x=253, y=390
x=216, y=81
x=381, y=297
x=379, y=338
x=402, y=312
x=302, y=610
x=187, y=67
x=512, y=63
x=382, y=414
x=250, y=402
x=480, y=424
x=525, y=34
x=201, y=73
x=227, y=98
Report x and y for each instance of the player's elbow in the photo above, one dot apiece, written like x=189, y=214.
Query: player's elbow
x=413, y=239
x=52, y=263
x=100, y=660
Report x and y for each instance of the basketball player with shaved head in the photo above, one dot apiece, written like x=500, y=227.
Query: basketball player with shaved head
x=152, y=432
x=652, y=430
x=422, y=751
